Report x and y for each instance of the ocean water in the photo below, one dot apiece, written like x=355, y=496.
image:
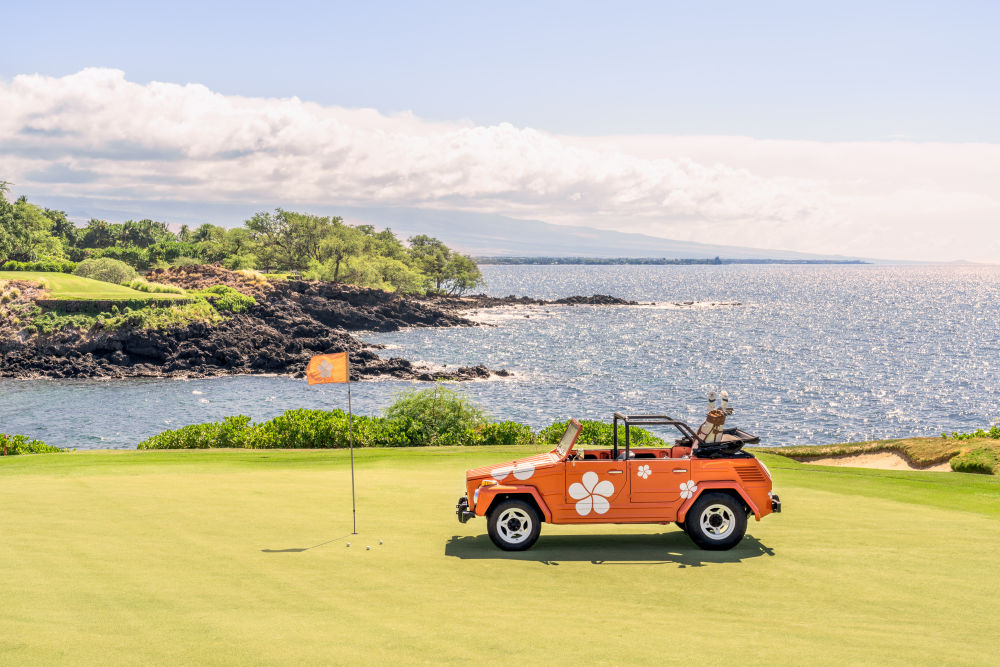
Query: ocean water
x=814, y=354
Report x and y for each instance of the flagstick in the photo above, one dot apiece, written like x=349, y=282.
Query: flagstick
x=350, y=435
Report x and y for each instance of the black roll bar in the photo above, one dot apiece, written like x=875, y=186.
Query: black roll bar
x=648, y=420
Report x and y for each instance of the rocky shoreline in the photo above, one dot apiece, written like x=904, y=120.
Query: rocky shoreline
x=292, y=321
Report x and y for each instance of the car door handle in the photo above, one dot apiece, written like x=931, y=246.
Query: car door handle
x=680, y=469
x=615, y=472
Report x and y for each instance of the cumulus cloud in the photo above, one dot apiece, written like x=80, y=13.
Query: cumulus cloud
x=96, y=134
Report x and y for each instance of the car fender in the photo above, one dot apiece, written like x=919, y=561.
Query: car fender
x=710, y=486
x=488, y=493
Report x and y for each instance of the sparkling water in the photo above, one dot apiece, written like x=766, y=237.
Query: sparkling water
x=814, y=354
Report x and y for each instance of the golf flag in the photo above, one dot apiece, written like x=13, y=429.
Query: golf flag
x=325, y=368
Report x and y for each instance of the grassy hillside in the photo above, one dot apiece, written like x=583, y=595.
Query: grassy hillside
x=239, y=556
x=69, y=287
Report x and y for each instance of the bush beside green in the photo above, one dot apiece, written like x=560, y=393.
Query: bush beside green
x=134, y=316
x=437, y=416
x=227, y=299
x=53, y=265
x=600, y=434
x=12, y=445
x=983, y=460
x=106, y=270
x=143, y=285
x=994, y=433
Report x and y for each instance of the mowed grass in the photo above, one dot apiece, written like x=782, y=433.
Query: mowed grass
x=69, y=287
x=239, y=557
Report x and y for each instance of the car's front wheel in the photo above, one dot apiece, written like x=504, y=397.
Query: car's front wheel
x=514, y=525
x=716, y=521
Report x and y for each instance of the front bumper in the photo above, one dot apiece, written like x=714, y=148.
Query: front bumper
x=463, y=511
x=775, y=503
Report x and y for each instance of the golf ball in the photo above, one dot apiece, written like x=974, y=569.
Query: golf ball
x=368, y=548
x=348, y=544
x=380, y=541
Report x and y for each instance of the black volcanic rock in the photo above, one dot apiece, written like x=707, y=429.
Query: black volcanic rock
x=292, y=321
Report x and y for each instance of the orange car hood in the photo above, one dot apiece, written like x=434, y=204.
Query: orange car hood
x=513, y=472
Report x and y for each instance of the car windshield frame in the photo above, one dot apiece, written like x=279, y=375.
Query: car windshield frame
x=568, y=439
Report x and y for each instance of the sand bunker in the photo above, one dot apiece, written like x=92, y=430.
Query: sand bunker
x=880, y=460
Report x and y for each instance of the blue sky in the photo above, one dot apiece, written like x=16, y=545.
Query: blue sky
x=777, y=70
x=848, y=128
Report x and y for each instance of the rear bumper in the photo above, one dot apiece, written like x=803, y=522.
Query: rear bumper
x=463, y=511
x=775, y=502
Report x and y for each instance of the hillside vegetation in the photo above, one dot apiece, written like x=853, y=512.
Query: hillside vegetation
x=319, y=247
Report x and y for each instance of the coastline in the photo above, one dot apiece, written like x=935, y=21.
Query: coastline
x=292, y=321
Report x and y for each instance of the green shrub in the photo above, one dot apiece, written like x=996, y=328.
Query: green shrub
x=600, y=434
x=437, y=416
x=994, y=433
x=131, y=255
x=143, y=285
x=229, y=300
x=106, y=270
x=186, y=261
x=320, y=429
x=230, y=432
x=53, y=265
x=984, y=461
x=295, y=429
x=126, y=315
x=12, y=445
x=502, y=433
x=240, y=262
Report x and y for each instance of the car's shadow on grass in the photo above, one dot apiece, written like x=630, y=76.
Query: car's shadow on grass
x=673, y=548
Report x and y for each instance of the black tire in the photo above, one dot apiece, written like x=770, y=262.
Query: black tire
x=514, y=525
x=681, y=526
x=716, y=521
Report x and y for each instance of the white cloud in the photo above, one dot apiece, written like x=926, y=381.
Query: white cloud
x=95, y=134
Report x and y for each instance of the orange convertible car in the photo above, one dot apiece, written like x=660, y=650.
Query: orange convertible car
x=705, y=483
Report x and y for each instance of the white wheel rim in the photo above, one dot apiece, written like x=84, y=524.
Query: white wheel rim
x=717, y=522
x=514, y=525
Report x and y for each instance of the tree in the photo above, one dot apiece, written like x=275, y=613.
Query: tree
x=7, y=230
x=430, y=256
x=447, y=271
x=461, y=273
x=343, y=242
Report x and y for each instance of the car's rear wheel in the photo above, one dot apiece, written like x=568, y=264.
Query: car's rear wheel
x=716, y=521
x=514, y=525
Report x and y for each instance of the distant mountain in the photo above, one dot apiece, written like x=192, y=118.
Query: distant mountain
x=479, y=234
x=486, y=235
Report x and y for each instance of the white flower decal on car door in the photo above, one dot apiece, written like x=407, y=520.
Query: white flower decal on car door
x=688, y=489
x=591, y=494
x=644, y=471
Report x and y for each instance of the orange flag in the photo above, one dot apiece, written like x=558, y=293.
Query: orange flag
x=324, y=368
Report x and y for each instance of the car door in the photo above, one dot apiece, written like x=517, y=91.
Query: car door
x=596, y=489
x=658, y=480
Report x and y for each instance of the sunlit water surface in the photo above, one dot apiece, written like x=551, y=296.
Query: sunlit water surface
x=814, y=354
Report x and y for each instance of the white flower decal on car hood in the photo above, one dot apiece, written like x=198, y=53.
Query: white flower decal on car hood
x=688, y=489
x=499, y=473
x=644, y=471
x=591, y=494
x=521, y=471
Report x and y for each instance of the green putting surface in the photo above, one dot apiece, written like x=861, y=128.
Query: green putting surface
x=70, y=287
x=241, y=557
